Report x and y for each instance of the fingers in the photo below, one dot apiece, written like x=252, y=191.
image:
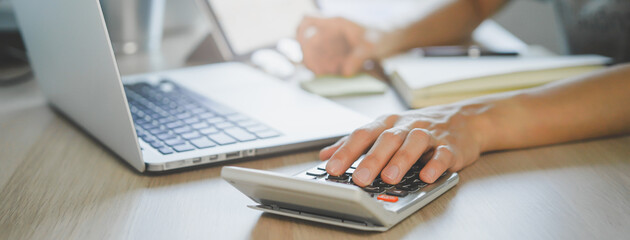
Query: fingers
x=352, y=31
x=378, y=156
x=327, y=152
x=354, y=34
x=442, y=160
x=358, y=142
x=306, y=36
x=394, y=151
x=307, y=22
x=354, y=61
x=332, y=45
x=418, y=141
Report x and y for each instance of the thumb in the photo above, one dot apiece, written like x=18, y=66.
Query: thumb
x=354, y=61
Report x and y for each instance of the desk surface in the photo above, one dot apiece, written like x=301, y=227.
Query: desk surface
x=57, y=183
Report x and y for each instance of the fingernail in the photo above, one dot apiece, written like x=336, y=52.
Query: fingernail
x=333, y=166
x=391, y=172
x=363, y=175
x=430, y=173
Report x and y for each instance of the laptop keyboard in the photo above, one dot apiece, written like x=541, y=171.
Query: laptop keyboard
x=173, y=119
x=380, y=190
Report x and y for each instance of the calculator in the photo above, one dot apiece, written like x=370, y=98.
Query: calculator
x=314, y=195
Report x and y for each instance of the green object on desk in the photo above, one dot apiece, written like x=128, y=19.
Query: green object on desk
x=336, y=86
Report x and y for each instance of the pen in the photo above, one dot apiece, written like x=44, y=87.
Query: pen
x=461, y=51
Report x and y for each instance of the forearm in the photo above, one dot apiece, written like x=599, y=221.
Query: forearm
x=450, y=24
x=590, y=106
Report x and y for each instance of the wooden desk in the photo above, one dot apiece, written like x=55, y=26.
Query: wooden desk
x=57, y=183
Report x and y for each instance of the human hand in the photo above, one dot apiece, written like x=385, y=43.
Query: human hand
x=451, y=134
x=335, y=45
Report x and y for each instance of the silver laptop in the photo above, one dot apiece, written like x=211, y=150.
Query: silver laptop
x=173, y=119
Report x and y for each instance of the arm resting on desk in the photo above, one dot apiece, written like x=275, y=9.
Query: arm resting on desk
x=590, y=106
x=453, y=136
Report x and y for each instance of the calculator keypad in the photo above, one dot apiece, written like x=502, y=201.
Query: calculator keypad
x=410, y=183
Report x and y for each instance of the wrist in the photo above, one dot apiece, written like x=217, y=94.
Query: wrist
x=494, y=120
x=477, y=120
x=484, y=127
x=389, y=43
x=486, y=116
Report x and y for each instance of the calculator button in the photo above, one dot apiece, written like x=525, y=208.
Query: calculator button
x=306, y=177
x=340, y=177
x=322, y=166
x=406, y=181
x=380, y=183
x=419, y=183
x=316, y=173
x=396, y=192
x=355, y=164
x=372, y=189
x=407, y=187
x=409, y=174
x=337, y=181
x=387, y=198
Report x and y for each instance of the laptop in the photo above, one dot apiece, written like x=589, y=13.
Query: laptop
x=172, y=119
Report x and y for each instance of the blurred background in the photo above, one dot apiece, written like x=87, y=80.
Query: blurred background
x=151, y=35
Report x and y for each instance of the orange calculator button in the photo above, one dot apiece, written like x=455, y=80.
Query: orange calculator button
x=387, y=198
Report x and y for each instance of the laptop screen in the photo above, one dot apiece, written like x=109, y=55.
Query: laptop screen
x=253, y=24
